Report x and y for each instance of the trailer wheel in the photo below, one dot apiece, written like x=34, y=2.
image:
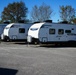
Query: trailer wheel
x=6, y=39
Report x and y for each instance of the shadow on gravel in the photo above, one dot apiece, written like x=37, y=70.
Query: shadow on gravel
x=58, y=46
x=47, y=46
x=5, y=71
x=21, y=43
x=44, y=45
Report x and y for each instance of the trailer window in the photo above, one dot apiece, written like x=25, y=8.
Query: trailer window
x=60, y=31
x=7, y=28
x=67, y=31
x=33, y=29
x=51, y=31
x=21, y=30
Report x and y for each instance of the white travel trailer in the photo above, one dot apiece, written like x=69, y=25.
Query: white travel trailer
x=15, y=31
x=2, y=26
x=52, y=33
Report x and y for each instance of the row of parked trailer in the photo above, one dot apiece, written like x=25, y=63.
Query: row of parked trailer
x=43, y=32
x=15, y=31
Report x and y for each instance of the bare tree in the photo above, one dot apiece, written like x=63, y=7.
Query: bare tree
x=41, y=13
x=67, y=13
x=35, y=13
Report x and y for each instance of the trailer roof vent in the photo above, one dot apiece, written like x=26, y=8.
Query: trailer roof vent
x=21, y=21
x=64, y=22
x=50, y=21
x=37, y=22
x=6, y=22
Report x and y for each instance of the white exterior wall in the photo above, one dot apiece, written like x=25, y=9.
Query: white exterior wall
x=6, y=29
x=34, y=30
x=44, y=35
x=12, y=31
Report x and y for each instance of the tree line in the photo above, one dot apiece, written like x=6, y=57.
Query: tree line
x=17, y=11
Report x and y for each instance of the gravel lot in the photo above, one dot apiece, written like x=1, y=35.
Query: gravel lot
x=20, y=59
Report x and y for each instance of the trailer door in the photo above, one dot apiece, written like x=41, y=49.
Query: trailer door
x=22, y=33
x=43, y=35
